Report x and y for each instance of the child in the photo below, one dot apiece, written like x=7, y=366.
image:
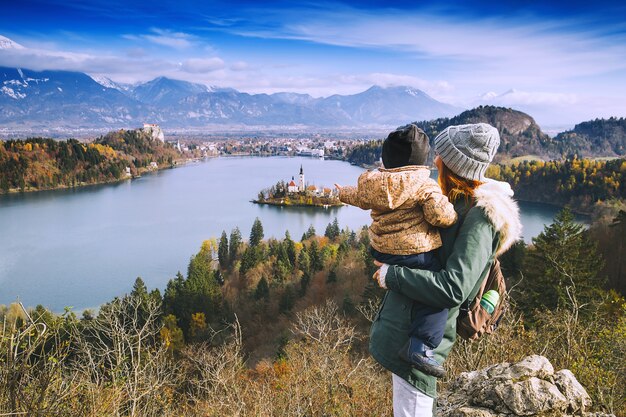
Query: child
x=407, y=207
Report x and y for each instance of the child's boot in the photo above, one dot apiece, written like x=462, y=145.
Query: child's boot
x=421, y=357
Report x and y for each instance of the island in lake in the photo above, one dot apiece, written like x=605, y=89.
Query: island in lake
x=298, y=195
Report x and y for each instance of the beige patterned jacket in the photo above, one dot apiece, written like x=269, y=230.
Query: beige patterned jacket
x=407, y=207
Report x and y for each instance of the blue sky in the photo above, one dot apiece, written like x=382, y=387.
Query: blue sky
x=561, y=61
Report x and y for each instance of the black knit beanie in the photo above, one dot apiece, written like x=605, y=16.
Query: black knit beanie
x=407, y=145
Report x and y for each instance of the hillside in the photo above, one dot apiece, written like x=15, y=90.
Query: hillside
x=519, y=134
x=266, y=327
x=600, y=137
x=41, y=164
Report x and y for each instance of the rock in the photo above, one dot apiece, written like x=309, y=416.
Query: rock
x=576, y=395
x=473, y=412
x=530, y=397
x=530, y=366
x=526, y=388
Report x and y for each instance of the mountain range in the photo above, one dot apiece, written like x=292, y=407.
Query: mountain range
x=64, y=99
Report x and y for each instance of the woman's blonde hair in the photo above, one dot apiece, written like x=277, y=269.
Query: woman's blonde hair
x=454, y=186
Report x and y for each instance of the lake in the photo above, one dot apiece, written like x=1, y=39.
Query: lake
x=83, y=247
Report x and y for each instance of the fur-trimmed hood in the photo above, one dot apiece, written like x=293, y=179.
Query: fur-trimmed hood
x=496, y=199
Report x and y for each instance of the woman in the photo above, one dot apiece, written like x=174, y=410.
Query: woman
x=488, y=225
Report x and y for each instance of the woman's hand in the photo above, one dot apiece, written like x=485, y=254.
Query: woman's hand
x=382, y=269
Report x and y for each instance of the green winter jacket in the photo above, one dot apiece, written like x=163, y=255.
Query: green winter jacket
x=487, y=227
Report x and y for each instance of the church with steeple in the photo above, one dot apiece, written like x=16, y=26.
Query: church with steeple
x=301, y=184
x=292, y=187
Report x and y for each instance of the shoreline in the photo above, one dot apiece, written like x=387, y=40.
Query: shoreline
x=182, y=162
x=278, y=204
x=176, y=164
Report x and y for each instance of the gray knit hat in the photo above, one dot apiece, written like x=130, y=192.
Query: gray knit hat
x=468, y=149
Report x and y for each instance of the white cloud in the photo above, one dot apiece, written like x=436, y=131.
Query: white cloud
x=202, y=65
x=487, y=48
x=176, y=40
x=239, y=66
x=388, y=80
x=515, y=97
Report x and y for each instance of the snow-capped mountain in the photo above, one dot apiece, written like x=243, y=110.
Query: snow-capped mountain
x=388, y=106
x=165, y=91
x=73, y=99
x=62, y=99
x=6, y=43
x=109, y=83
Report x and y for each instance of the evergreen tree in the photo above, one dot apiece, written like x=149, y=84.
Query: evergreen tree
x=617, y=268
x=343, y=248
x=304, y=261
x=287, y=300
x=199, y=293
x=139, y=289
x=332, y=276
x=304, y=283
x=256, y=234
x=282, y=255
x=332, y=230
x=250, y=258
x=262, y=290
x=310, y=232
x=563, y=267
x=512, y=261
x=171, y=334
x=347, y=305
x=200, y=276
x=173, y=292
x=222, y=251
x=315, y=255
x=352, y=239
x=234, y=245
x=291, y=248
x=155, y=295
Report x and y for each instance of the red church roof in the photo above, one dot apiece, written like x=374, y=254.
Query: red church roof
x=292, y=184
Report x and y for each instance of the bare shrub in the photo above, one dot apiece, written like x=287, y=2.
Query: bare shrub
x=214, y=376
x=323, y=377
x=32, y=381
x=120, y=354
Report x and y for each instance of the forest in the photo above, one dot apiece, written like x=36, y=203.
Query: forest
x=279, y=326
x=602, y=137
x=40, y=163
x=579, y=183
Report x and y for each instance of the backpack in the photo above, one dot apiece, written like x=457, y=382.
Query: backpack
x=473, y=320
